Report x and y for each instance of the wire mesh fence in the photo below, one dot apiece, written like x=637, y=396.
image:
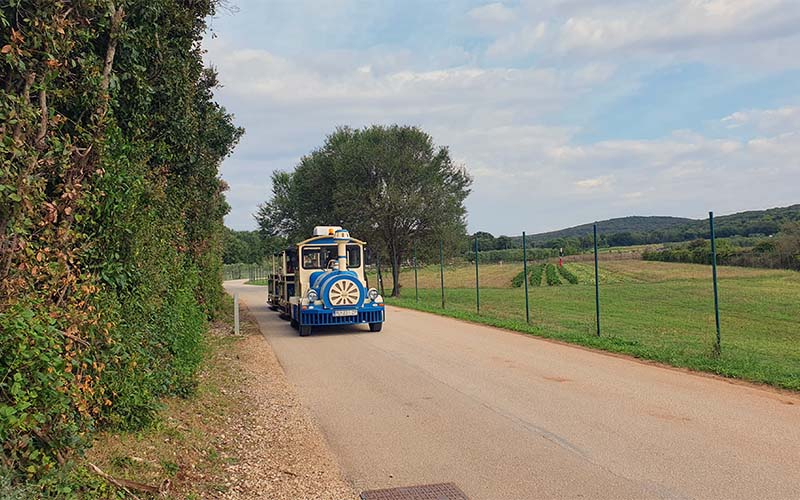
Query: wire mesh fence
x=735, y=321
x=249, y=272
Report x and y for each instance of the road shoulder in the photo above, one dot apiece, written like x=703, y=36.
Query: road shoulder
x=281, y=452
x=242, y=435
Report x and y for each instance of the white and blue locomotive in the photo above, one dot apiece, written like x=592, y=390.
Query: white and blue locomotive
x=321, y=282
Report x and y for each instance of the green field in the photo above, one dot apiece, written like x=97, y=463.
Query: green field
x=652, y=310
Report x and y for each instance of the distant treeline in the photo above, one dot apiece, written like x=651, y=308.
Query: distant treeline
x=511, y=255
x=648, y=230
x=780, y=252
x=249, y=247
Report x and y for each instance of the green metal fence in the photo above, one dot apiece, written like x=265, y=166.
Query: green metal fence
x=249, y=272
x=526, y=270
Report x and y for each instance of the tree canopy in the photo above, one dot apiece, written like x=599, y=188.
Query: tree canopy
x=391, y=186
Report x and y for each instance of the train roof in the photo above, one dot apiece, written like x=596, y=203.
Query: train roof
x=327, y=240
x=287, y=249
x=316, y=240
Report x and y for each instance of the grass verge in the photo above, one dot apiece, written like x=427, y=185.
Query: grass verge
x=671, y=321
x=185, y=452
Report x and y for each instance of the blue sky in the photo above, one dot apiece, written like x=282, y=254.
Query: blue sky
x=564, y=111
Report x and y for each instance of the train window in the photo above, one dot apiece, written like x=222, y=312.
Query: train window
x=353, y=256
x=312, y=258
x=321, y=257
x=291, y=261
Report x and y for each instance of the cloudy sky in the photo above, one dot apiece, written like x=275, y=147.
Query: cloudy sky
x=563, y=111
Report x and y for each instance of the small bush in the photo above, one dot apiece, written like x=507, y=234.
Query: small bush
x=536, y=275
x=551, y=275
x=567, y=275
x=517, y=280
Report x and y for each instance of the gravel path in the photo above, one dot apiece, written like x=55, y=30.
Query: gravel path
x=280, y=453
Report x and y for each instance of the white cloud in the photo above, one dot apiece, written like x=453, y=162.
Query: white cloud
x=766, y=120
x=680, y=24
x=523, y=41
x=761, y=30
x=492, y=13
x=466, y=93
x=602, y=182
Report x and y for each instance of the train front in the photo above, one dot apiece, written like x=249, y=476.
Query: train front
x=337, y=294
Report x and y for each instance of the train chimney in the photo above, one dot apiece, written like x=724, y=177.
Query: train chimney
x=342, y=238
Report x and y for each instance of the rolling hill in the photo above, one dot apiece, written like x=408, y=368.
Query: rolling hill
x=661, y=229
x=631, y=224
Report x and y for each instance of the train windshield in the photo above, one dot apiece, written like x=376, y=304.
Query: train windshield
x=325, y=257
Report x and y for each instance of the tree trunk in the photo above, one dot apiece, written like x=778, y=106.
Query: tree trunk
x=380, y=276
x=395, y=272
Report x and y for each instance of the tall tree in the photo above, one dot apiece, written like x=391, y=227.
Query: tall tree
x=390, y=185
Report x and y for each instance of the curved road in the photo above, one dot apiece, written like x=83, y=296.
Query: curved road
x=507, y=416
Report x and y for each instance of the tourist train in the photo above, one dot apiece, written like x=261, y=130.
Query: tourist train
x=321, y=282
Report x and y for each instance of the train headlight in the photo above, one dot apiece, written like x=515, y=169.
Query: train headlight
x=372, y=294
x=312, y=296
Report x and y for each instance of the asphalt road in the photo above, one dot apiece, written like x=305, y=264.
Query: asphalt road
x=507, y=416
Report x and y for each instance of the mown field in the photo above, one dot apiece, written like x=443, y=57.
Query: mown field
x=652, y=310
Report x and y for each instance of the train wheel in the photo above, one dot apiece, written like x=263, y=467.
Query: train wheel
x=305, y=330
x=375, y=327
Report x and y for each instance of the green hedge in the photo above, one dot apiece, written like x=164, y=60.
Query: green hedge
x=110, y=220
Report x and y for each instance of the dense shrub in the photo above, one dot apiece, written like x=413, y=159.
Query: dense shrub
x=110, y=218
x=551, y=275
x=568, y=275
x=519, y=279
x=536, y=274
x=780, y=252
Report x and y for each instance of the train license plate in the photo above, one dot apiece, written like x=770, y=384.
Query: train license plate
x=345, y=312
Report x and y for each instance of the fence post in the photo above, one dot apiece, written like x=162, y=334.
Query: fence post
x=416, y=283
x=441, y=267
x=596, y=282
x=525, y=277
x=717, y=346
x=236, y=313
x=477, y=280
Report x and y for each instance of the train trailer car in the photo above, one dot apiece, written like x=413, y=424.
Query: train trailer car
x=329, y=284
x=280, y=281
